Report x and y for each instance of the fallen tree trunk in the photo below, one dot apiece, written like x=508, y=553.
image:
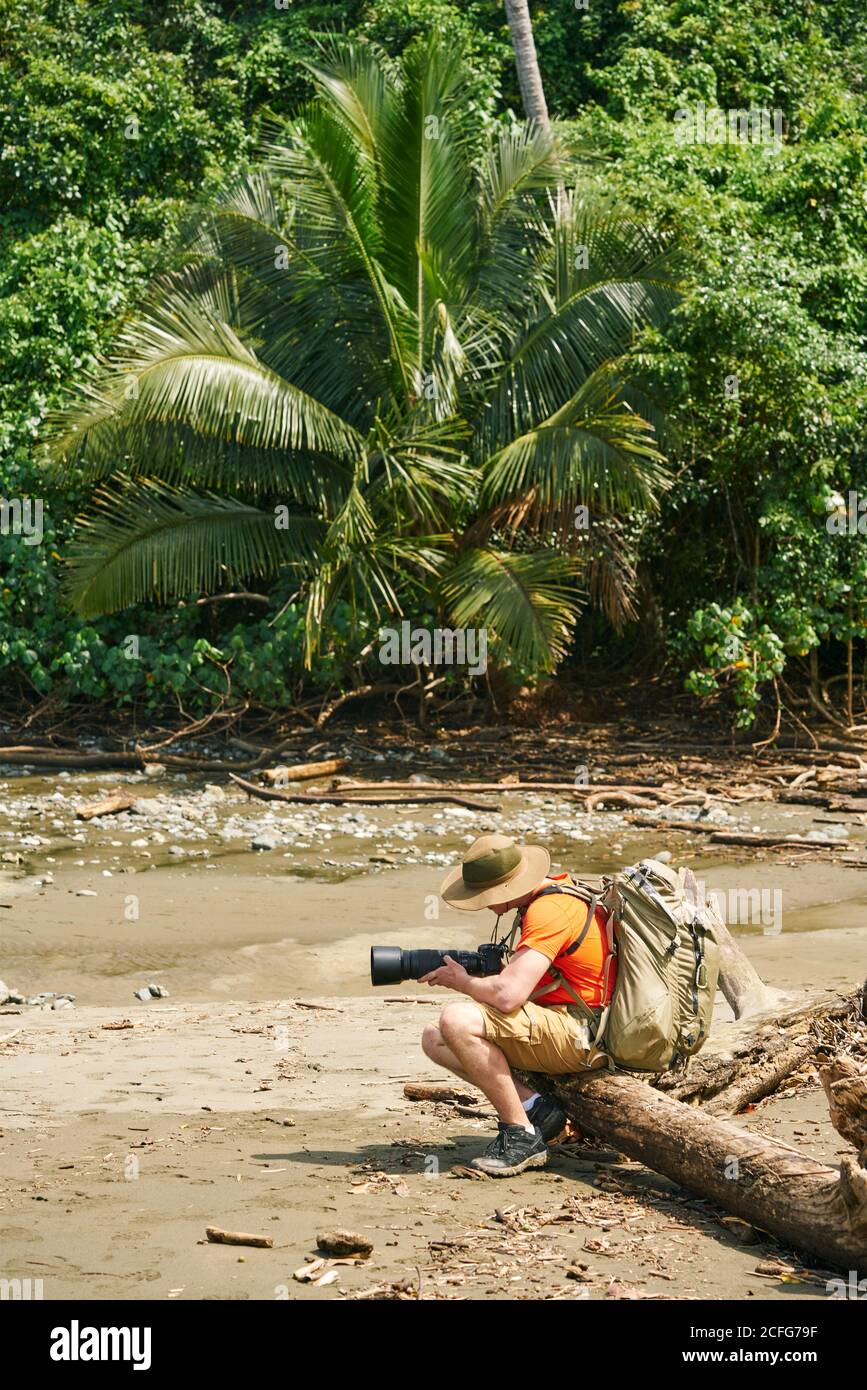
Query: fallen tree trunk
x=742, y=987
x=755, y=1065
x=747, y=837
x=516, y=785
x=110, y=806
x=334, y=799
x=786, y=1194
x=303, y=772
x=845, y=1086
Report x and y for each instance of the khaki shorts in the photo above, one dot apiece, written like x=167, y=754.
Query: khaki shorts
x=540, y=1038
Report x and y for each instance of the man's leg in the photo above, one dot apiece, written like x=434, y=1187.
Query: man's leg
x=474, y=1059
x=434, y=1045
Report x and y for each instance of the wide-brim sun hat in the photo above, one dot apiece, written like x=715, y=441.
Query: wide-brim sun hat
x=494, y=870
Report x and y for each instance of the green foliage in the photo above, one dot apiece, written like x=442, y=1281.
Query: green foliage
x=736, y=654
x=382, y=326
x=762, y=368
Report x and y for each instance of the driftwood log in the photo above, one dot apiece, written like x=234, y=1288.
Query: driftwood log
x=776, y=1189
x=217, y=1236
x=742, y=987
x=303, y=772
x=754, y=1065
x=845, y=1084
x=791, y=1196
x=110, y=806
x=423, y=798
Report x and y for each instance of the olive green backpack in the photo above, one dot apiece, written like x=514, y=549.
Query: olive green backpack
x=662, y=933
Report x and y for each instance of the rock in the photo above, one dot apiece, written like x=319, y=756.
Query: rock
x=343, y=1243
x=143, y=994
x=158, y=991
x=265, y=842
x=4, y=992
x=154, y=769
x=14, y=997
x=176, y=850
x=213, y=792
x=63, y=1002
x=85, y=893
x=663, y=856
x=142, y=807
x=43, y=998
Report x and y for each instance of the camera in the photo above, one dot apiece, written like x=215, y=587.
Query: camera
x=389, y=965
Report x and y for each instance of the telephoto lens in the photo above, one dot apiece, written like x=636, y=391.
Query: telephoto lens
x=389, y=965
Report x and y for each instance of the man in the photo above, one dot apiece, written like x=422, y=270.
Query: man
x=534, y=1014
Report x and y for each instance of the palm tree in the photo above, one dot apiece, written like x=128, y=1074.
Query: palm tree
x=391, y=365
x=529, y=76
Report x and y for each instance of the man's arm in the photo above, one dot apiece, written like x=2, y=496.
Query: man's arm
x=506, y=991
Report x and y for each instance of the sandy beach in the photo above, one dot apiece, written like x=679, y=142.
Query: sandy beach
x=265, y=1092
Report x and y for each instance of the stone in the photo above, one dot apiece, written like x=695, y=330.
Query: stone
x=85, y=893
x=264, y=842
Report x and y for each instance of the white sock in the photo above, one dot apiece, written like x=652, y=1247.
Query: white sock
x=530, y=1101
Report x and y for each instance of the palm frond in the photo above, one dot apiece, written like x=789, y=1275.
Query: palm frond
x=146, y=541
x=527, y=602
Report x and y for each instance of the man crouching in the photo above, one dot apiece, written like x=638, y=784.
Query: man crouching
x=536, y=1013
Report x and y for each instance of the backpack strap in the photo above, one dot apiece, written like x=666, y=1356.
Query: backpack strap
x=593, y=1016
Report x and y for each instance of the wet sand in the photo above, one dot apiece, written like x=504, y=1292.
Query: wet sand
x=118, y=1146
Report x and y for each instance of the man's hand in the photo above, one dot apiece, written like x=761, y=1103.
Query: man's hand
x=450, y=975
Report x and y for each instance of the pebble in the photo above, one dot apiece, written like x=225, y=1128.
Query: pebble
x=264, y=842
x=151, y=992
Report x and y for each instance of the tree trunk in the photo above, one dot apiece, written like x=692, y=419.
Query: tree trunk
x=787, y=1194
x=742, y=988
x=529, y=77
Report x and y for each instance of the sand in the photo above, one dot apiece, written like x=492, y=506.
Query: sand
x=265, y=1094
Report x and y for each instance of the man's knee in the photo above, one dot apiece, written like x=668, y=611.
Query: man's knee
x=431, y=1040
x=461, y=1021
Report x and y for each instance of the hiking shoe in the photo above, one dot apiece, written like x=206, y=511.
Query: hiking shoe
x=513, y=1150
x=548, y=1117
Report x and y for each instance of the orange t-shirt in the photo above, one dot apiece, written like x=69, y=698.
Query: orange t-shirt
x=550, y=924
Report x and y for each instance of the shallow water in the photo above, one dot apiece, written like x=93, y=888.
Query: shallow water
x=176, y=895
